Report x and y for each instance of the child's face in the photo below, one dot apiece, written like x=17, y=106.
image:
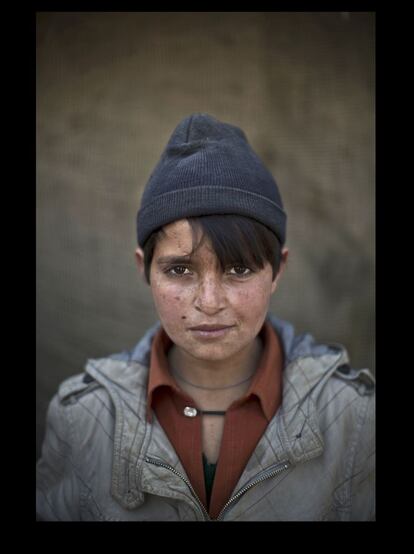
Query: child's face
x=193, y=292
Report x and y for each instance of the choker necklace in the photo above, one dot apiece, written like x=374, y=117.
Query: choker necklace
x=211, y=388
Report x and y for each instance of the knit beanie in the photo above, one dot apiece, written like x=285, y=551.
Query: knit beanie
x=208, y=167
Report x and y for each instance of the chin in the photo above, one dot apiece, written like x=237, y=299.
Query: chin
x=211, y=352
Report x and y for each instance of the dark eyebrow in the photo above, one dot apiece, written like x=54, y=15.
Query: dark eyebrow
x=173, y=259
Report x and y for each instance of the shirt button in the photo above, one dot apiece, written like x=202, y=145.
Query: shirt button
x=190, y=412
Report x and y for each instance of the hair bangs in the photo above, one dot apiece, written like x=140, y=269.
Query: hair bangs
x=235, y=239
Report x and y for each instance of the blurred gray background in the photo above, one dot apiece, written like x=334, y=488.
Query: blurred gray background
x=111, y=87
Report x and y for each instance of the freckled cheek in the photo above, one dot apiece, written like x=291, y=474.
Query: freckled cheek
x=170, y=303
x=251, y=303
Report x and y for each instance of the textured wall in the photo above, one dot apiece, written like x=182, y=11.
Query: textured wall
x=110, y=89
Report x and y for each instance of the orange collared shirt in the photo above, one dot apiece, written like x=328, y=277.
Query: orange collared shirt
x=245, y=420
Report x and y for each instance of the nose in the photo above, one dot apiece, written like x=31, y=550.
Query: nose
x=210, y=297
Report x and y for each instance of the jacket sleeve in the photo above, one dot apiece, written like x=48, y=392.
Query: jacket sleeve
x=363, y=471
x=57, y=486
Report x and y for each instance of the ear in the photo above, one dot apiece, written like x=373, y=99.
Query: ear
x=283, y=262
x=139, y=256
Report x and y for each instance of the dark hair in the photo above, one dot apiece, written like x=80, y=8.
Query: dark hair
x=235, y=239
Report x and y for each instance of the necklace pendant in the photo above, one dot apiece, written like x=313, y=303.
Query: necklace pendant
x=190, y=412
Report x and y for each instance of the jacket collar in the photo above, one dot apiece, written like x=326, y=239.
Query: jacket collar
x=293, y=434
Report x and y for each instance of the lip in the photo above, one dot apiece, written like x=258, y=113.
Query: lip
x=211, y=327
x=210, y=331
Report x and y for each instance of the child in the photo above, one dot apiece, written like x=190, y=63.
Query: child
x=219, y=412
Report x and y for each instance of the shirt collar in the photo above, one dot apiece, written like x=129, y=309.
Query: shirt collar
x=266, y=385
x=267, y=382
x=159, y=374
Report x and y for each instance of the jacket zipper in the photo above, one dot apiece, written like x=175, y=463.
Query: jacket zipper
x=186, y=481
x=283, y=466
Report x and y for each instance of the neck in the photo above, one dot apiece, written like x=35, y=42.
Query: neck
x=212, y=374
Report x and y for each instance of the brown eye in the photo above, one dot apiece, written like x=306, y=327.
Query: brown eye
x=178, y=270
x=240, y=270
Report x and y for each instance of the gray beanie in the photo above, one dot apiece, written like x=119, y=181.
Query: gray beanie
x=207, y=168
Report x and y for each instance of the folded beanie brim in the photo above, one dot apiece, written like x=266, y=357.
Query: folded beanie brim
x=209, y=200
